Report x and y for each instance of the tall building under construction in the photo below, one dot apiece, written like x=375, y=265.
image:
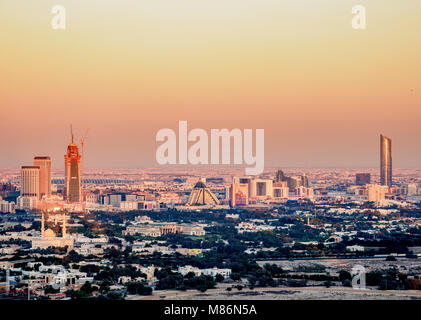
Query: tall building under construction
x=72, y=187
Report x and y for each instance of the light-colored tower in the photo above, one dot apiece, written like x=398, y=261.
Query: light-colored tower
x=72, y=189
x=44, y=164
x=42, y=225
x=30, y=181
x=64, y=231
x=385, y=161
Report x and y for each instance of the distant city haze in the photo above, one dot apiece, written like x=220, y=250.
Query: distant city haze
x=322, y=91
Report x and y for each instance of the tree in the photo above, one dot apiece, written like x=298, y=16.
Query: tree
x=138, y=288
x=235, y=276
x=344, y=275
x=50, y=290
x=219, y=278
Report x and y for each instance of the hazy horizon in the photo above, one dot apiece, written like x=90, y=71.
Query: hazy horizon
x=322, y=91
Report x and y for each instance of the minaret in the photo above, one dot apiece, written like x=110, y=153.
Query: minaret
x=64, y=226
x=42, y=225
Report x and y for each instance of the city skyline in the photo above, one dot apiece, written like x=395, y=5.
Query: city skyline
x=321, y=90
x=53, y=164
x=221, y=153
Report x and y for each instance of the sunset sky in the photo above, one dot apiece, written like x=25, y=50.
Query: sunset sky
x=322, y=91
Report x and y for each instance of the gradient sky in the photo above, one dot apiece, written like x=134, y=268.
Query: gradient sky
x=322, y=91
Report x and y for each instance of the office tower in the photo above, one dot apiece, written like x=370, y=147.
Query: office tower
x=242, y=180
x=280, y=190
x=280, y=176
x=304, y=181
x=411, y=189
x=294, y=182
x=239, y=194
x=385, y=161
x=30, y=181
x=44, y=164
x=72, y=189
x=262, y=188
x=376, y=192
x=361, y=179
x=304, y=192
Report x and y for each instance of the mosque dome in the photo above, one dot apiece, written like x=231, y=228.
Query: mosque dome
x=49, y=233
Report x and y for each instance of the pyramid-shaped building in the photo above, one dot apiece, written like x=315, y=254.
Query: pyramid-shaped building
x=201, y=195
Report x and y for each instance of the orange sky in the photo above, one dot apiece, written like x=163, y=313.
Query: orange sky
x=322, y=91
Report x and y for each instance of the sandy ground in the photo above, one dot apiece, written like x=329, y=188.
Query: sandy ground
x=335, y=265
x=305, y=293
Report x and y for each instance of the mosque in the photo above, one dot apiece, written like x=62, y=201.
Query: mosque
x=49, y=239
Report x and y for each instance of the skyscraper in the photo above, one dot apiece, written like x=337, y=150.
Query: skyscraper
x=72, y=189
x=361, y=179
x=385, y=161
x=29, y=181
x=44, y=164
x=304, y=180
x=239, y=194
x=280, y=176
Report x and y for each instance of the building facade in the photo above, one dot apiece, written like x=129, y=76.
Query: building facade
x=72, y=187
x=30, y=181
x=44, y=164
x=361, y=179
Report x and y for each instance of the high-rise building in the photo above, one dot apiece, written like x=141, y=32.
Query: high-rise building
x=304, y=181
x=72, y=188
x=280, y=176
x=385, y=161
x=294, y=182
x=304, y=192
x=29, y=181
x=242, y=180
x=280, y=190
x=44, y=164
x=361, y=179
x=262, y=188
x=239, y=194
x=376, y=192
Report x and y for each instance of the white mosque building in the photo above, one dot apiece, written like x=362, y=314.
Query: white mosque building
x=49, y=239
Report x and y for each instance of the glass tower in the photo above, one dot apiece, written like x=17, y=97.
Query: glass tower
x=385, y=161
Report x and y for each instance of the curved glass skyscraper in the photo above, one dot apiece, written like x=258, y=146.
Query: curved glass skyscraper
x=385, y=161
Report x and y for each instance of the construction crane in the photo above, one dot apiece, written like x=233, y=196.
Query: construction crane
x=71, y=132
